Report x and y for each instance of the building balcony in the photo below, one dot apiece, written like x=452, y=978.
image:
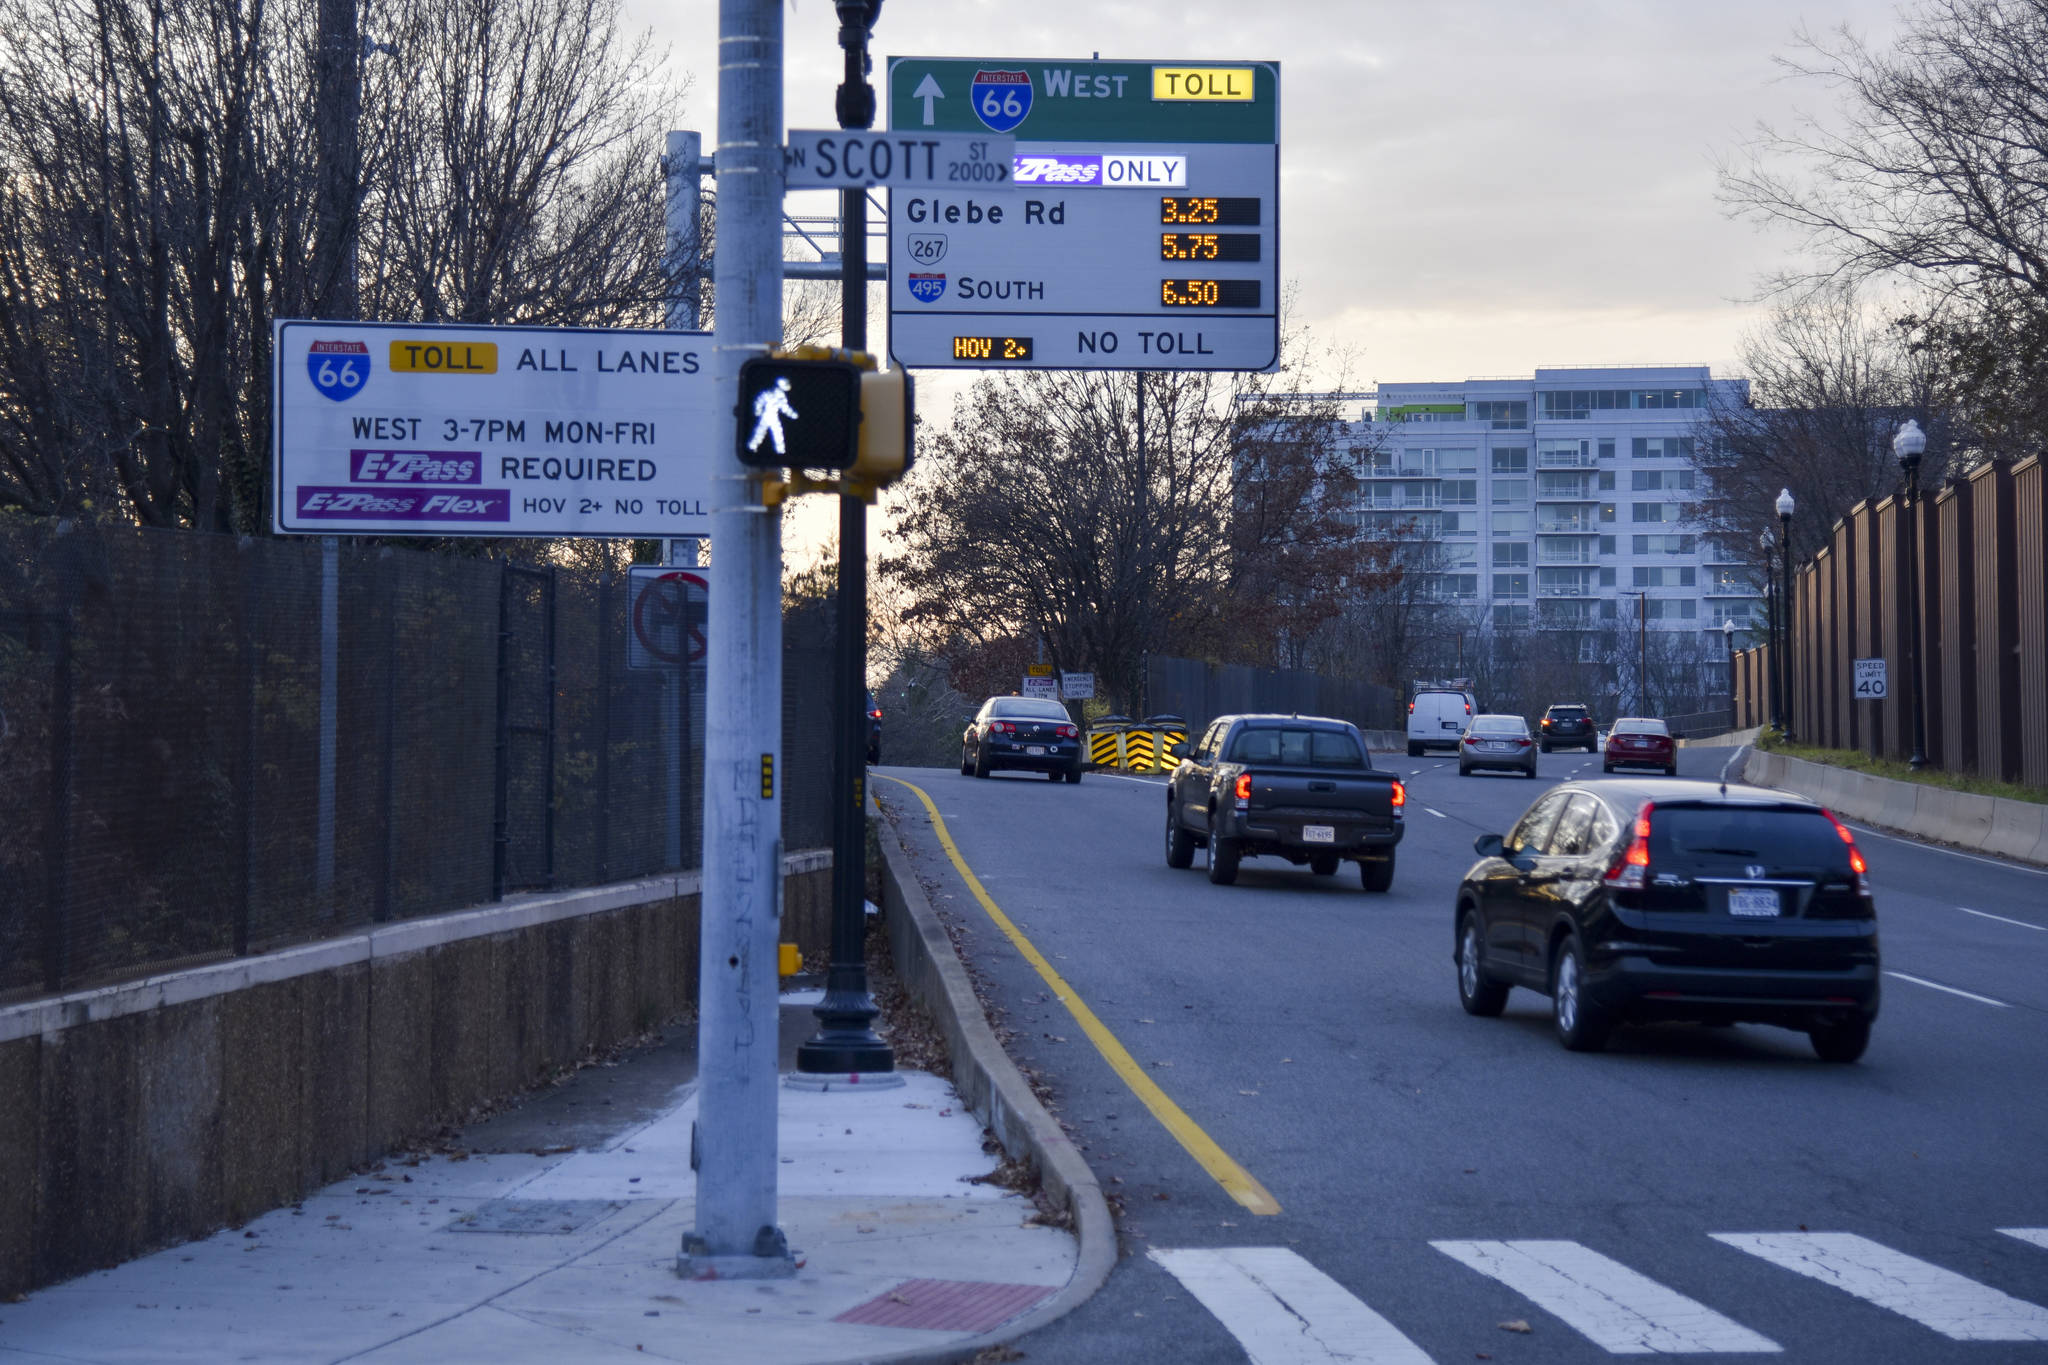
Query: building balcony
x=1567, y=526
x=1566, y=495
x=1566, y=459
x=1380, y=502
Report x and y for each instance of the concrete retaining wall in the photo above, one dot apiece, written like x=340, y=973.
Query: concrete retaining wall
x=138, y=1116
x=1983, y=824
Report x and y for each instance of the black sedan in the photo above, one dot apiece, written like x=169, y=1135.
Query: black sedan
x=1022, y=732
x=1650, y=900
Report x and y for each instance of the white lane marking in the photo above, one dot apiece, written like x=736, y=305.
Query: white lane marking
x=1953, y=853
x=1951, y=1304
x=1984, y=914
x=1620, y=1310
x=1141, y=781
x=2038, y=1236
x=1437, y=813
x=1284, y=1311
x=1416, y=773
x=1937, y=986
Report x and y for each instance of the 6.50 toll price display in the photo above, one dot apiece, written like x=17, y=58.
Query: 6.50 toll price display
x=1140, y=229
x=405, y=429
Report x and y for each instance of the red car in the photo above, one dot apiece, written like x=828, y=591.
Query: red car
x=1639, y=743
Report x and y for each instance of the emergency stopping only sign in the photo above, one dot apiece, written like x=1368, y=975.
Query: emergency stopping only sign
x=402, y=429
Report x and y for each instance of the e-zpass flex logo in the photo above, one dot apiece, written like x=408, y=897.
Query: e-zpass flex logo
x=1001, y=99
x=339, y=368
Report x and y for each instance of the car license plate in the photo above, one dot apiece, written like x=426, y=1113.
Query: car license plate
x=1500, y=748
x=1034, y=749
x=1318, y=834
x=1753, y=903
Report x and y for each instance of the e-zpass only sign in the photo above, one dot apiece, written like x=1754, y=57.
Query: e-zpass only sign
x=409, y=429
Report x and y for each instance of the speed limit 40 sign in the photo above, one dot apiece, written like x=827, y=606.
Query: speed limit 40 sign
x=1869, y=680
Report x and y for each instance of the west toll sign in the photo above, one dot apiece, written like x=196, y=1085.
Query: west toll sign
x=1139, y=227
x=436, y=430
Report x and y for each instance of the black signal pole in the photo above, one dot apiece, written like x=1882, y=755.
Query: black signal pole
x=846, y=1042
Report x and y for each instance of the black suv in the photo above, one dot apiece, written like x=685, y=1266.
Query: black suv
x=874, y=730
x=1645, y=900
x=1567, y=727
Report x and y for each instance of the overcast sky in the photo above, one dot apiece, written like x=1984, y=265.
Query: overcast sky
x=1467, y=189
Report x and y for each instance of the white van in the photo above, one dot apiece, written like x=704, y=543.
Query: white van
x=1438, y=716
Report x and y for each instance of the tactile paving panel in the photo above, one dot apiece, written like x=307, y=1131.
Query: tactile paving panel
x=946, y=1305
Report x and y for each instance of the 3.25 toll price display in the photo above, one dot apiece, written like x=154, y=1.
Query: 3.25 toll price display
x=1238, y=211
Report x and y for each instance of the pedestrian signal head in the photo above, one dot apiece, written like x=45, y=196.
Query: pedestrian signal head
x=799, y=414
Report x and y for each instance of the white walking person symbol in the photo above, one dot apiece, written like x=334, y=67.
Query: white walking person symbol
x=770, y=407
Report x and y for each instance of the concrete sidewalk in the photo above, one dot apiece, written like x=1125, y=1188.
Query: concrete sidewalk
x=550, y=1234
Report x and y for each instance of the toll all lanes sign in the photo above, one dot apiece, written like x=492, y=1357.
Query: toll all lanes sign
x=413, y=429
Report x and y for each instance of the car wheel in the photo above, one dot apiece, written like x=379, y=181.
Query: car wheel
x=1377, y=877
x=1323, y=864
x=1670, y=770
x=1223, y=858
x=874, y=754
x=1544, y=747
x=1464, y=771
x=1414, y=749
x=1582, y=1026
x=1074, y=775
x=1478, y=995
x=1531, y=773
x=1180, y=845
x=1606, y=767
x=981, y=765
x=1840, y=1042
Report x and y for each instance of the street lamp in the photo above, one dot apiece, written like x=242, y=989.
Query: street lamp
x=1785, y=507
x=1728, y=638
x=1774, y=617
x=1909, y=445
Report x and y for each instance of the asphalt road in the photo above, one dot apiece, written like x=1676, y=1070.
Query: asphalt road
x=1313, y=1032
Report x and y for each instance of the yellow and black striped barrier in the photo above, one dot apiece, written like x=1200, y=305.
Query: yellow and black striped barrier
x=1106, y=748
x=1141, y=753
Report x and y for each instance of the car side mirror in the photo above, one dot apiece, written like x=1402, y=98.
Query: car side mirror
x=1176, y=751
x=1489, y=845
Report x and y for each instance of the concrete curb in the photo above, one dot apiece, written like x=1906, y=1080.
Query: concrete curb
x=996, y=1092
x=1994, y=825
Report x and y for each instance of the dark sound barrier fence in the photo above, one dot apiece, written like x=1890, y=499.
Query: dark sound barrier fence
x=1983, y=590
x=1198, y=692
x=211, y=746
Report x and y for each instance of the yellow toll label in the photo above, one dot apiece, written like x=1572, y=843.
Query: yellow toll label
x=444, y=357
x=1202, y=83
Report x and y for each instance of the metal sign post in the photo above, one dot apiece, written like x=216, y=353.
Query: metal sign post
x=1139, y=228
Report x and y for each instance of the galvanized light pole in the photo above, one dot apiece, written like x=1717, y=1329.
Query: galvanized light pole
x=846, y=1043
x=1909, y=445
x=1773, y=617
x=1785, y=508
x=1728, y=638
x=734, y=1151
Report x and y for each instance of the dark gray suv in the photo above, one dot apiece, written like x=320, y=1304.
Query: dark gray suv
x=1568, y=727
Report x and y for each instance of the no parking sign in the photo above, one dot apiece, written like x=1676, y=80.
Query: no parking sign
x=667, y=610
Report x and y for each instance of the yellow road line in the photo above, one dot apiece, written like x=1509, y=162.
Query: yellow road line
x=1235, y=1179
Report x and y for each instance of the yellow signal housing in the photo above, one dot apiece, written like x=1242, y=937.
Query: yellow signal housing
x=789, y=959
x=887, y=418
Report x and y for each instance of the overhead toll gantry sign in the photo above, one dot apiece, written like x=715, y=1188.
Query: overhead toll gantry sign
x=1139, y=229
x=403, y=429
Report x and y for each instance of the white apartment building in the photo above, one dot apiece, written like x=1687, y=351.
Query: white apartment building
x=1556, y=501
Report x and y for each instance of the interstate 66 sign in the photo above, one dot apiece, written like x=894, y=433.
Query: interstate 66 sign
x=338, y=369
x=1139, y=229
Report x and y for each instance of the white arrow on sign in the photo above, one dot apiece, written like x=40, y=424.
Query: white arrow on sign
x=928, y=90
x=839, y=158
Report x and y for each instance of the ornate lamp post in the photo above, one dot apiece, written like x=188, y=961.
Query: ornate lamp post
x=1785, y=508
x=1728, y=638
x=1909, y=445
x=1773, y=618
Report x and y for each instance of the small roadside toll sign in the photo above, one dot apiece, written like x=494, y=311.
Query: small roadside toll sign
x=1041, y=687
x=1869, y=680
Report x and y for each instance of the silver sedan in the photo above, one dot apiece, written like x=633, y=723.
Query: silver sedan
x=1497, y=742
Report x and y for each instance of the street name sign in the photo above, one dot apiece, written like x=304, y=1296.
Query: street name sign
x=1139, y=229
x=411, y=429
x=1869, y=680
x=846, y=159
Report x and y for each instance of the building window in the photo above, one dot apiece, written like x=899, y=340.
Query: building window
x=1655, y=480
x=1462, y=461
x=1511, y=585
x=1661, y=448
x=1607, y=511
x=1513, y=523
x=1507, y=556
x=1657, y=511
x=1607, y=575
x=1607, y=450
x=1461, y=523
x=1575, y=405
x=1511, y=460
x=1460, y=585
x=1510, y=491
x=1510, y=618
x=1460, y=492
x=1503, y=416
x=1606, y=481
x=1461, y=556
x=1664, y=545
x=1607, y=609
x=1607, y=545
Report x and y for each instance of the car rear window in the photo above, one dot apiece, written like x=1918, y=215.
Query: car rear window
x=1297, y=748
x=1568, y=712
x=1641, y=727
x=1499, y=725
x=1770, y=835
x=1031, y=707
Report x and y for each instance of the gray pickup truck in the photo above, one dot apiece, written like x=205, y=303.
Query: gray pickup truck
x=1301, y=788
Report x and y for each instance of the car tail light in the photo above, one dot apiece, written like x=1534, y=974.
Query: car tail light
x=1546, y=722
x=1470, y=740
x=1411, y=708
x=1244, y=790
x=1631, y=871
x=1400, y=794
x=1468, y=708
x=874, y=715
x=1001, y=727
x=1856, y=863
x=1523, y=742
x=1068, y=732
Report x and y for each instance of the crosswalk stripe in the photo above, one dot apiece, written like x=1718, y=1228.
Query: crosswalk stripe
x=1283, y=1311
x=2038, y=1236
x=1951, y=1304
x=1627, y=1313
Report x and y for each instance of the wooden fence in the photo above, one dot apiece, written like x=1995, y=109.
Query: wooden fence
x=1983, y=588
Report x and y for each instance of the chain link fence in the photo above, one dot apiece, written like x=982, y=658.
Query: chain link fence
x=1198, y=692
x=211, y=747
